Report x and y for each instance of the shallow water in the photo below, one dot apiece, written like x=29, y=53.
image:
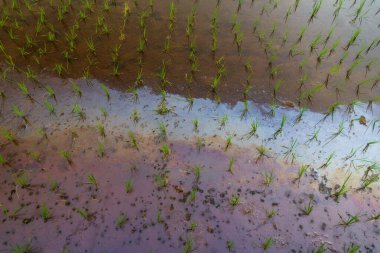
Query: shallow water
x=248, y=190
x=247, y=224
x=238, y=78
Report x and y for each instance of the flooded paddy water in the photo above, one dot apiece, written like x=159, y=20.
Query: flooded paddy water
x=189, y=126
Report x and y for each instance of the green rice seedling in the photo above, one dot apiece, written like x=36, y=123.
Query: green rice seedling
x=369, y=65
x=276, y=88
x=129, y=186
x=290, y=151
x=163, y=132
x=300, y=115
x=45, y=213
x=374, y=217
x=120, y=221
x=371, y=101
x=165, y=150
x=301, y=34
x=200, y=143
x=245, y=110
x=19, y=113
x=197, y=172
x=344, y=57
x=268, y=178
x=66, y=155
x=30, y=75
x=196, y=124
x=58, y=69
x=192, y=196
x=21, y=248
x=135, y=116
x=24, y=89
x=141, y=46
x=308, y=208
x=274, y=71
x=188, y=247
x=368, y=181
x=353, y=248
x=22, y=180
x=3, y=160
x=314, y=44
x=361, y=84
x=105, y=90
x=263, y=152
x=339, y=5
x=280, y=129
x=360, y=52
x=343, y=189
x=162, y=76
x=91, y=46
x=354, y=36
x=267, y=243
x=76, y=89
x=77, y=109
x=335, y=134
x=334, y=46
x=359, y=10
x=103, y=111
x=49, y=107
x=354, y=65
x=231, y=244
x=53, y=185
x=316, y=7
x=101, y=130
x=322, y=55
x=231, y=164
x=162, y=180
x=100, y=149
x=331, y=110
x=223, y=121
x=368, y=144
x=328, y=161
x=309, y=94
x=234, y=200
x=92, y=181
x=9, y=136
x=133, y=140
x=301, y=172
x=228, y=142
x=320, y=249
x=84, y=214
x=253, y=130
x=271, y=213
x=351, y=219
x=329, y=34
x=159, y=218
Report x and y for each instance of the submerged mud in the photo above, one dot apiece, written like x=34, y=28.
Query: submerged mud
x=248, y=224
x=271, y=49
x=170, y=207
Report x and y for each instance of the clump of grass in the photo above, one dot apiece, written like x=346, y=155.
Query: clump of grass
x=3, y=160
x=100, y=149
x=101, y=129
x=129, y=186
x=228, y=142
x=263, y=152
x=197, y=172
x=271, y=213
x=162, y=180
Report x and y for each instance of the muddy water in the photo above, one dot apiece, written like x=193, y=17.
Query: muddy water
x=217, y=222
x=252, y=51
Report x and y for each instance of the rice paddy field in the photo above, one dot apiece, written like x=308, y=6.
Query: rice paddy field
x=189, y=126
